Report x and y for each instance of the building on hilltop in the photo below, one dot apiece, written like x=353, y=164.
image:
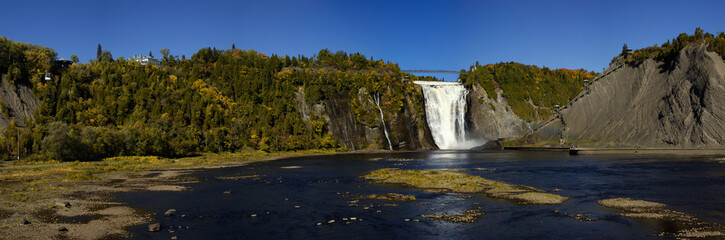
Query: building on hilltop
x=62, y=63
x=146, y=60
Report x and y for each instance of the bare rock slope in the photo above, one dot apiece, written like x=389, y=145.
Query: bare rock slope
x=17, y=102
x=651, y=104
x=488, y=119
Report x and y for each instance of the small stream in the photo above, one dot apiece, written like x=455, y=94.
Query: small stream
x=287, y=198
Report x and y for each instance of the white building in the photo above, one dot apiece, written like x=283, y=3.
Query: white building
x=146, y=60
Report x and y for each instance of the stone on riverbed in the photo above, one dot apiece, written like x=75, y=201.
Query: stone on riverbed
x=154, y=227
x=170, y=212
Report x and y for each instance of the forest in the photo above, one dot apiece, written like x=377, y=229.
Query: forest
x=216, y=101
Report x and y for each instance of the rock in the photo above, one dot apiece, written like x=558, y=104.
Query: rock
x=170, y=212
x=491, y=117
x=63, y=204
x=154, y=227
x=25, y=221
x=490, y=145
x=62, y=229
x=651, y=104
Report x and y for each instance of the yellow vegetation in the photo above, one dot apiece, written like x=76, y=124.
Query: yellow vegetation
x=464, y=183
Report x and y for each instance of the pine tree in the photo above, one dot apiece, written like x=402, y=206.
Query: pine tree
x=99, y=53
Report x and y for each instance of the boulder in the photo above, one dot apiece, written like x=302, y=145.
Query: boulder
x=154, y=227
x=170, y=212
x=490, y=145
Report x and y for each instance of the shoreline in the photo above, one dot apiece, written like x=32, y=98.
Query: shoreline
x=647, y=151
x=50, y=206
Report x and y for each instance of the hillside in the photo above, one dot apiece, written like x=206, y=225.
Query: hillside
x=507, y=99
x=216, y=101
x=674, y=100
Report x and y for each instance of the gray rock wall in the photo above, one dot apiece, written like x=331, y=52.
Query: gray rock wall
x=407, y=129
x=488, y=119
x=20, y=102
x=651, y=105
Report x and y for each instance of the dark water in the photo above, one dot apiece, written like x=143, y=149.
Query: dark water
x=691, y=185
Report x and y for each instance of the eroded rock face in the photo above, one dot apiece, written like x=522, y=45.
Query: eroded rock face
x=19, y=101
x=407, y=129
x=650, y=104
x=488, y=119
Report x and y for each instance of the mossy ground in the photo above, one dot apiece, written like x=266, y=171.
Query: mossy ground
x=467, y=216
x=388, y=197
x=27, y=182
x=688, y=226
x=464, y=183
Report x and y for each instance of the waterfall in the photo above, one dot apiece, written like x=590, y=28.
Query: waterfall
x=376, y=98
x=445, y=110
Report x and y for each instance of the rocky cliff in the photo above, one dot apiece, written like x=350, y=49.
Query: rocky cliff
x=652, y=104
x=16, y=102
x=407, y=129
x=489, y=119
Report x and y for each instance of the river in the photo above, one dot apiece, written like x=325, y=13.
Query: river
x=289, y=197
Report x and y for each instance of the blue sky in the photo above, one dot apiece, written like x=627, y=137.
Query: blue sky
x=449, y=35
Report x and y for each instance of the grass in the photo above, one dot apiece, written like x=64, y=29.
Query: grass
x=463, y=183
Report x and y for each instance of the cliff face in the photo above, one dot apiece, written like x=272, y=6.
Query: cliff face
x=17, y=103
x=407, y=128
x=650, y=104
x=488, y=119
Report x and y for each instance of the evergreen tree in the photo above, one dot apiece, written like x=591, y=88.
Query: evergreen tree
x=99, y=53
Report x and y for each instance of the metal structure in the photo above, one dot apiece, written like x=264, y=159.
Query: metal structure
x=429, y=71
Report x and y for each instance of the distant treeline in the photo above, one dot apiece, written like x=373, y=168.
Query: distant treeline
x=669, y=50
x=218, y=100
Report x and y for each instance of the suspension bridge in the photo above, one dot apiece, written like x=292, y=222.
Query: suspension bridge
x=429, y=71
